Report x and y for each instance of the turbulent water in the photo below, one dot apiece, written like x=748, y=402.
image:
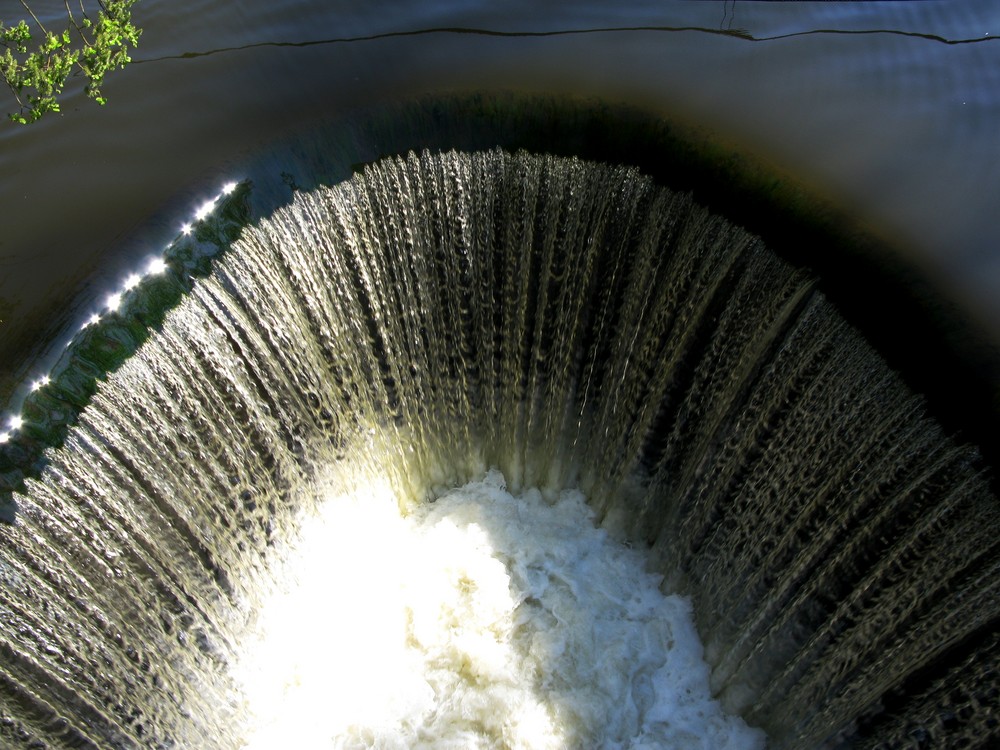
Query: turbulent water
x=571, y=325
x=480, y=620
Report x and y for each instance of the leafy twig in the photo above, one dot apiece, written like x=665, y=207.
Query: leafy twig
x=39, y=76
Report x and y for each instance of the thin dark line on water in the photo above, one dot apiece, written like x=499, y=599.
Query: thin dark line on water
x=459, y=30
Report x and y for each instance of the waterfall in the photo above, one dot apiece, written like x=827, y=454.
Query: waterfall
x=571, y=324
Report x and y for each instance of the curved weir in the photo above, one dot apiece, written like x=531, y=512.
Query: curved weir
x=571, y=325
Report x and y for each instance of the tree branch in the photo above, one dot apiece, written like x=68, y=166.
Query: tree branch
x=28, y=8
x=72, y=20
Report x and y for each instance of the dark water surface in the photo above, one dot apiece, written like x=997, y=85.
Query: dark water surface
x=887, y=109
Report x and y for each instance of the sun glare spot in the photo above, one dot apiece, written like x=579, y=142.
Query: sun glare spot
x=132, y=281
x=156, y=266
x=40, y=383
x=4, y=437
x=228, y=188
x=204, y=210
x=93, y=320
x=15, y=423
x=187, y=228
x=114, y=301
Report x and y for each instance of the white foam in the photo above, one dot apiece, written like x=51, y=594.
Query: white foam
x=481, y=620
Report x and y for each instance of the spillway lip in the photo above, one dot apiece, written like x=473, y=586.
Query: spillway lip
x=902, y=312
x=107, y=338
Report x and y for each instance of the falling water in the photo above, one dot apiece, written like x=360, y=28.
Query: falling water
x=568, y=324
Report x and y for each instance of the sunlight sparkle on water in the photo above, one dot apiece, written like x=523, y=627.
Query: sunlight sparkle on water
x=204, y=210
x=156, y=266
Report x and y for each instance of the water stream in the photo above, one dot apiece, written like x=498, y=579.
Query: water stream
x=569, y=324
